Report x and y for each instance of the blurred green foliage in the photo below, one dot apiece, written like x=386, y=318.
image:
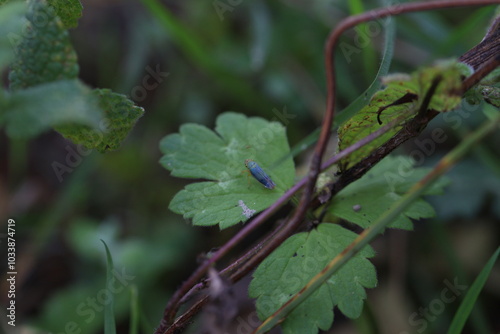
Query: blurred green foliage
x=257, y=58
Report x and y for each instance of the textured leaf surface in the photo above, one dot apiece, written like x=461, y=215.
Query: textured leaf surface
x=299, y=259
x=69, y=11
x=11, y=23
x=120, y=115
x=366, y=199
x=45, y=53
x=230, y=195
x=400, y=100
x=491, y=95
x=33, y=110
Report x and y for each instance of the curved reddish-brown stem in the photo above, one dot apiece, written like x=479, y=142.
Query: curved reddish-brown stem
x=353, y=21
x=173, y=304
x=315, y=168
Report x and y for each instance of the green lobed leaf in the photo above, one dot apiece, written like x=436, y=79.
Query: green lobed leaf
x=120, y=115
x=300, y=258
x=44, y=53
x=230, y=195
x=400, y=102
x=69, y=11
x=30, y=111
x=366, y=199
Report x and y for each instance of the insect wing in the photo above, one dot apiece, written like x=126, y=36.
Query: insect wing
x=260, y=175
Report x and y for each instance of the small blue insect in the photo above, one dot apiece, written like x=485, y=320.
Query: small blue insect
x=259, y=174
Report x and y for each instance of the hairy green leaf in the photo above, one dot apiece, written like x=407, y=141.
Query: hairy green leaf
x=228, y=196
x=69, y=11
x=44, y=53
x=366, y=199
x=120, y=115
x=296, y=262
x=11, y=22
x=30, y=111
x=400, y=101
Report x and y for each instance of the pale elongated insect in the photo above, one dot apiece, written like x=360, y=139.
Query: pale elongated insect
x=259, y=174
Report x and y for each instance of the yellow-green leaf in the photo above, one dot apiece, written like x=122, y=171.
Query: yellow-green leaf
x=400, y=101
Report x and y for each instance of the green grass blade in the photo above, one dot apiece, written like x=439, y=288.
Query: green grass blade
x=470, y=299
x=479, y=323
x=369, y=53
x=134, y=310
x=196, y=50
x=181, y=35
x=109, y=316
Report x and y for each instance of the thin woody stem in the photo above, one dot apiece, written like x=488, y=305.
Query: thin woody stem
x=410, y=130
x=481, y=72
x=309, y=182
x=331, y=87
x=245, y=267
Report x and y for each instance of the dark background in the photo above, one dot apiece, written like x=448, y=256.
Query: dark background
x=275, y=52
